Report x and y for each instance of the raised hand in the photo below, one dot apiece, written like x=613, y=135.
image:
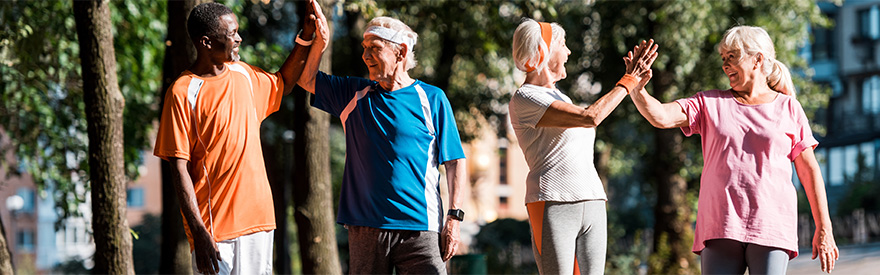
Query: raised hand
x=309, y=26
x=639, y=60
x=320, y=23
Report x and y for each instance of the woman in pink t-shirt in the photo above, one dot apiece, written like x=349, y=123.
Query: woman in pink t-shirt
x=751, y=133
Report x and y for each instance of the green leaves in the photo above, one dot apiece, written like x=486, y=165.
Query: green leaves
x=42, y=110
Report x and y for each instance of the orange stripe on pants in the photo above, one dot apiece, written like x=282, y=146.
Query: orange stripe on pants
x=536, y=218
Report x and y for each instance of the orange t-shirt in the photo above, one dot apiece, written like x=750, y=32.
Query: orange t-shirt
x=223, y=114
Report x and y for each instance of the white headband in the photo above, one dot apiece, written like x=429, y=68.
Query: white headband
x=396, y=37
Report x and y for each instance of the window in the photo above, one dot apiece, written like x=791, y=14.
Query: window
x=502, y=201
x=25, y=240
x=502, y=165
x=135, y=197
x=27, y=196
x=869, y=23
x=823, y=43
x=835, y=166
x=871, y=95
x=851, y=162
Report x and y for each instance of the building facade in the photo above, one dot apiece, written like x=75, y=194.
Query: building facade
x=846, y=58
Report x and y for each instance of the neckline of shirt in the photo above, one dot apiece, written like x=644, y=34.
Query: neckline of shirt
x=380, y=89
x=729, y=94
x=225, y=71
x=538, y=87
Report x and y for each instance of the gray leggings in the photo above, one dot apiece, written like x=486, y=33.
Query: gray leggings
x=571, y=232
x=726, y=256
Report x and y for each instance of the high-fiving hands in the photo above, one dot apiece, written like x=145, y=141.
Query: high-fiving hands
x=318, y=24
x=639, y=60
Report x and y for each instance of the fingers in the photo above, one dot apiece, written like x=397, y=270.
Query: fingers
x=215, y=261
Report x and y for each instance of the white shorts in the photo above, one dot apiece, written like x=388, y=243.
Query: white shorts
x=248, y=254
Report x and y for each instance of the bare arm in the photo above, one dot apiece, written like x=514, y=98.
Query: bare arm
x=660, y=115
x=295, y=63
x=322, y=38
x=565, y=115
x=811, y=178
x=456, y=175
x=207, y=254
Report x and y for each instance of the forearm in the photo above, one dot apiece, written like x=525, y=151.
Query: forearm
x=293, y=67
x=561, y=114
x=456, y=174
x=186, y=195
x=660, y=115
x=814, y=186
x=307, y=78
x=599, y=110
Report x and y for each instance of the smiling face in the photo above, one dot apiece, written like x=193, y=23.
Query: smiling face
x=225, y=44
x=381, y=58
x=739, y=69
x=558, y=57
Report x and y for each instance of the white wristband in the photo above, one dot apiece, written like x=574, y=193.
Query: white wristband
x=302, y=42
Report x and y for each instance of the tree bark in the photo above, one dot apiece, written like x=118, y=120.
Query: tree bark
x=5, y=253
x=673, y=232
x=104, y=106
x=313, y=191
x=179, y=55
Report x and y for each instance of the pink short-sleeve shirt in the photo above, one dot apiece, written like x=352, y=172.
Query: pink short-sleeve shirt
x=746, y=193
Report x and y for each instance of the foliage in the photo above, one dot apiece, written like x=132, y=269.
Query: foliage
x=506, y=242
x=41, y=106
x=862, y=192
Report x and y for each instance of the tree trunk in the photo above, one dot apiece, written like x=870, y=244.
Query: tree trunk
x=673, y=232
x=179, y=54
x=5, y=254
x=313, y=191
x=104, y=106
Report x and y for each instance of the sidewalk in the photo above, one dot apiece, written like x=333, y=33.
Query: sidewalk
x=854, y=259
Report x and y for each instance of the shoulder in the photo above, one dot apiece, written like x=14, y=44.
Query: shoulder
x=430, y=89
x=712, y=93
x=790, y=103
x=182, y=84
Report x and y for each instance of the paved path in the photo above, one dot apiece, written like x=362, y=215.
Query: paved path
x=854, y=259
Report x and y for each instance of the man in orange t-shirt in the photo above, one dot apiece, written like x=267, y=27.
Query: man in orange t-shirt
x=210, y=132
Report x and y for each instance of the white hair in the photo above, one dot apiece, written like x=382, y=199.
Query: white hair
x=749, y=41
x=405, y=30
x=528, y=44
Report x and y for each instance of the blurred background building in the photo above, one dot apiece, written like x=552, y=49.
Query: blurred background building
x=846, y=58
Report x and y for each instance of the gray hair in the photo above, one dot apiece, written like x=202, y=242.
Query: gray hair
x=397, y=25
x=749, y=40
x=528, y=44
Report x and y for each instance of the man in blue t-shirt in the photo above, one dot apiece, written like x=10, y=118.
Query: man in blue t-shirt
x=397, y=132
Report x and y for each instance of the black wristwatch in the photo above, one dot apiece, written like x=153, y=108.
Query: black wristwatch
x=457, y=214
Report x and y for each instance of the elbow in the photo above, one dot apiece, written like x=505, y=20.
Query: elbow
x=661, y=123
x=592, y=122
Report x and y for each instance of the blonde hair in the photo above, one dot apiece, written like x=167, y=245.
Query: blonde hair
x=528, y=44
x=397, y=25
x=749, y=40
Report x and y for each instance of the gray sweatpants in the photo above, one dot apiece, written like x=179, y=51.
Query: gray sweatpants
x=379, y=251
x=726, y=256
x=569, y=235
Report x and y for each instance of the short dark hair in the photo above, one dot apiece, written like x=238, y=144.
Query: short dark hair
x=204, y=19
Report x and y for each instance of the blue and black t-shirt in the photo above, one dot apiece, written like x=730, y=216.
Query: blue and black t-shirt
x=394, y=143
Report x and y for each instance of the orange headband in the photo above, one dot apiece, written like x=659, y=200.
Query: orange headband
x=547, y=35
